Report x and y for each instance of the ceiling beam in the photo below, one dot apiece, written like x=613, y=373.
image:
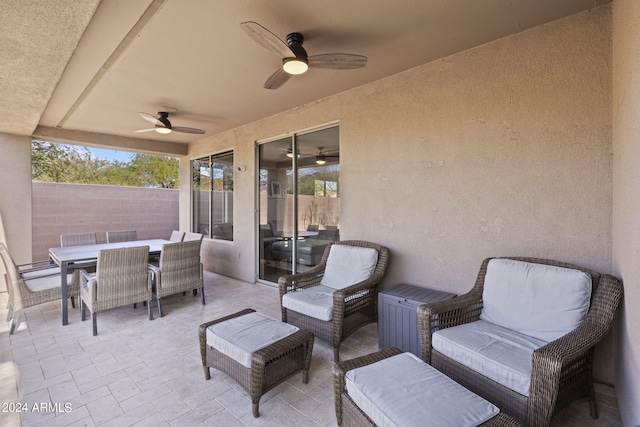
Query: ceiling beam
x=115, y=142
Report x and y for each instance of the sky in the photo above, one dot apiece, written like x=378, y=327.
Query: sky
x=111, y=155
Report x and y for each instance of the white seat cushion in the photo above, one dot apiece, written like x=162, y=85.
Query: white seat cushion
x=41, y=283
x=316, y=302
x=32, y=274
x=242, y=336
x=543, y=301
x=498, y=353
x=348, y=265
x=404, y=391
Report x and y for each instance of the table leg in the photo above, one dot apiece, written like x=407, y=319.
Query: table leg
x=65, y=293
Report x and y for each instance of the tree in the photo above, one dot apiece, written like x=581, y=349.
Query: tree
x=65, y=163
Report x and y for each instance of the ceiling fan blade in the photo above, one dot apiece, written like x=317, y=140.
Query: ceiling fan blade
x=187, y=130
x=277, y=79
x=267, y=39
x=337, y=61
x=151, y=119
x=146, y=130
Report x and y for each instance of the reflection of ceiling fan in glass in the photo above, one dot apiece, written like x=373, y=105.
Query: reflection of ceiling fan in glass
x=321, y=157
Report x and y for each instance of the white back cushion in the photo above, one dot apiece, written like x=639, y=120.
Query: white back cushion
x=542, y=301
x=348, y=265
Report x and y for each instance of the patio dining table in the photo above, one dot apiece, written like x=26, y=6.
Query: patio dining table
x=66, y=257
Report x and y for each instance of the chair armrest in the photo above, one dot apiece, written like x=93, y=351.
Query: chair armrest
x=153, y=269
x=445, y=314
x=35, y=265
x=341, y=368
x=292, y=282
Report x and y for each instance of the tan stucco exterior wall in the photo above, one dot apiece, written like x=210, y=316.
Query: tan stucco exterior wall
x=15, y=194
x=626, y=202
x=500, y=150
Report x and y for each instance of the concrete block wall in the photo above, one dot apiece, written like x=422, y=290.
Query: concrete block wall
x=78, y=208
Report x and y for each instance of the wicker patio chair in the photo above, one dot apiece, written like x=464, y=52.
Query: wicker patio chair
x=179, y=270
x=561, y=370
x=353, y=306
x=32, y=284
x=121, y=278
x=78, y=239
x=192, y=236
x=121, y=236
x=348, y=414
x=176, y=236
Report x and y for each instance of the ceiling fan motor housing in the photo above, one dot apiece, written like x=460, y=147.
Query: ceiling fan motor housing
x=163, y=117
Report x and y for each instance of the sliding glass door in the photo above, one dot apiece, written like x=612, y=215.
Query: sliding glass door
x=299, y=201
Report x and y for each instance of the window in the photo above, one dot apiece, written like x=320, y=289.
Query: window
x=212, y=202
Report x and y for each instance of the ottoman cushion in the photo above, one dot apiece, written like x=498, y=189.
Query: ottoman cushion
x=240, y=337
x=402, y=390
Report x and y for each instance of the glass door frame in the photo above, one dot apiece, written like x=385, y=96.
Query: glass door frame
x=295, y=209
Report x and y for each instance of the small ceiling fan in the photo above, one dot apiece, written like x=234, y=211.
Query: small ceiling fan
x=163, y=125
x=322, y=156
x=295, y=60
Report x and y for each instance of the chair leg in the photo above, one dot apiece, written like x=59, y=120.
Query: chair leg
x=160, y=313
x=15, y=322
x=73, y=302
x=336, y=354
x=9, y=311
x=254, y=407
x=150, y=308
x=202, y=295
x=195, y=292
x=94, y=317
x=83, y=310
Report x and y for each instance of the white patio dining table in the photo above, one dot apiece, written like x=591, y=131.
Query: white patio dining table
x=67, y=256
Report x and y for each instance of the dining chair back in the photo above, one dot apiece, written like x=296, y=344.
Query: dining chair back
x=179, y=270
x=121, y=236
x=176, y=236
x=78, y=239
x=192, y=236
x=121, y=278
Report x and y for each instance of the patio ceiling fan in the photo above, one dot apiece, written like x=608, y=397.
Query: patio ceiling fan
x=322, y=156
x=163, y=125
x=295, y=60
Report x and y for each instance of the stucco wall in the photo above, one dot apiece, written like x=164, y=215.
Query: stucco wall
x=78, y=208
x=626, y=201
x=500, y=150
x=15, y=197
x=15, y=194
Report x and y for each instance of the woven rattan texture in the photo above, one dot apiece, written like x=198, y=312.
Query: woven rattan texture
x=353, y=307
x=270, y=366
x=561, y=370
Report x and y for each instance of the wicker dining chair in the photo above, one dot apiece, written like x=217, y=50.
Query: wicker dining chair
x=176, y=236
x=192, y=236
x=78, y=239
x=179, y=270
x=121, y=236
x=121, y=278
x=561, y=370
x=32, y=284
x=351, y=308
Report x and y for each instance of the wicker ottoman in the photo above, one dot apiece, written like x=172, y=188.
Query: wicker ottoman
x=260, y=370
x=448, y=403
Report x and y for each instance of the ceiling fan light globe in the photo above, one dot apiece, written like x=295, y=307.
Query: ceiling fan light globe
x=163, y=130
x=294, y=66
x=320, y=159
